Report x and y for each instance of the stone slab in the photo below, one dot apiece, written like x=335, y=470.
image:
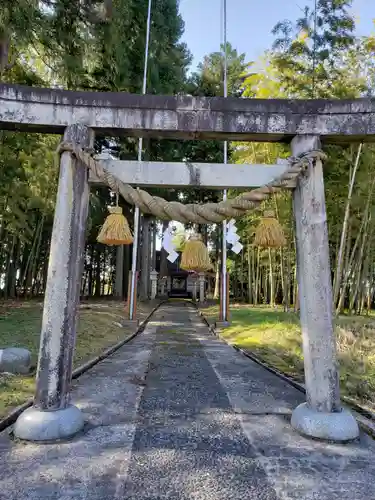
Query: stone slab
x=15, y=360
x=186, y=117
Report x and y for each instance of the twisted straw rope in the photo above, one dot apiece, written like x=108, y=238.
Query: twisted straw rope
x=201, y=214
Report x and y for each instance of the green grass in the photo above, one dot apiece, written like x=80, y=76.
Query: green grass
x=20, y=327
x=275, y=336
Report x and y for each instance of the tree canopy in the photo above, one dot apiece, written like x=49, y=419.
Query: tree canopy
x=99, y=45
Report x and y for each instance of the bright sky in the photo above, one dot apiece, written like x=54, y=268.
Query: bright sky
x=249, y=23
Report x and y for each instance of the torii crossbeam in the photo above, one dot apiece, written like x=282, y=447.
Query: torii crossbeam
x=184, y=117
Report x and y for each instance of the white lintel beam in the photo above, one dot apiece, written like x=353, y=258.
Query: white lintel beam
x=197, y=175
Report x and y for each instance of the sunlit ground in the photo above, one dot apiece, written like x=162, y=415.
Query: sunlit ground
x=20, y=325
x=275, y=336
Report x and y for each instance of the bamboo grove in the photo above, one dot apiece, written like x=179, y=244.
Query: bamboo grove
x=99, y=46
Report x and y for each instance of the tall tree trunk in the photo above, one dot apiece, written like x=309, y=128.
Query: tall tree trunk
x=97, y=271
x=13, y=269
x=104, y=274
x=338, y=273
x=11, y=242
x=90, y=287
x=359, y=268
x=249, y=275
x=295, y=291
x=257, y=279
x=362, y=228
x=119, y=272
x=271, y=279
x=242, y=275
x=217, y=280
x=235, y=283
x=288, y=281
x=26, y=278
x=45, y=266
x=283, y=287
x=36, y=258
x=369, y=288
x=27, y=257
x=364, y=283
x=84, y=284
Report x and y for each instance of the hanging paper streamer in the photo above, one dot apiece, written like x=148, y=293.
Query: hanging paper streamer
x=168, y=245
x=232, y=237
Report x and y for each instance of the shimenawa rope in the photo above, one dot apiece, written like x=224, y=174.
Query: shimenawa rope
x=200, y=214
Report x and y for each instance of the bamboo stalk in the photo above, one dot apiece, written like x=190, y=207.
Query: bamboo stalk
x=338, y=273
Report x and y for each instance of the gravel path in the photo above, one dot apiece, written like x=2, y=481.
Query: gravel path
x=178, y=414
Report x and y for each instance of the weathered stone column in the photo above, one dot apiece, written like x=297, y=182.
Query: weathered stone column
x=195, y=285
x=163, y=287
x=154, y=284
x=154, y=234
x=52, y=416
x=145, y=255
x=322, y=415
x=202, y=282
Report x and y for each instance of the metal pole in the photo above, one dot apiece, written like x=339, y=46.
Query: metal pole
x=224, y=243
x=136, y=210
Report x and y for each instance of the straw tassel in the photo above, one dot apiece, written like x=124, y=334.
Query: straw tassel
x=195, y=255
x=269, y=233
x=115, y=230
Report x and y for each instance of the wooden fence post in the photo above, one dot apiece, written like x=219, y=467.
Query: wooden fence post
x=52, y=416
x=322, y=415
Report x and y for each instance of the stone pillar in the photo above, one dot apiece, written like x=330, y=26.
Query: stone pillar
x=154, y=234
x=195, y=285
x=322, y=415
x=145, y=258
x=154, y=284
x=163, y=287
x=202, y=283
x=52, y=416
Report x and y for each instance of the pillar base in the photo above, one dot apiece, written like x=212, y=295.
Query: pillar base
x=340, y=426
x=222, y=324
x=37, y=425
x=130, y=323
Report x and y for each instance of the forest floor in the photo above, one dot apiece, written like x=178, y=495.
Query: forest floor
x=20, y=324
x=275, y=337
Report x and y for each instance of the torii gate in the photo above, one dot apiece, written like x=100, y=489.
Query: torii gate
x=79, y=115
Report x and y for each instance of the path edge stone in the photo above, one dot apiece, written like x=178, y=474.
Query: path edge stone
x=10, y=419
x=367, y=424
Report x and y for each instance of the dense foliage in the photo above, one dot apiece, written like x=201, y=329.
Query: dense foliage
x=99, y=45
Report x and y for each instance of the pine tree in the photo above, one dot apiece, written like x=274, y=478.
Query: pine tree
x=308, y=52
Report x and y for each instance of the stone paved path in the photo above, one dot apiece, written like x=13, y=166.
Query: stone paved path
x=178, y=414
